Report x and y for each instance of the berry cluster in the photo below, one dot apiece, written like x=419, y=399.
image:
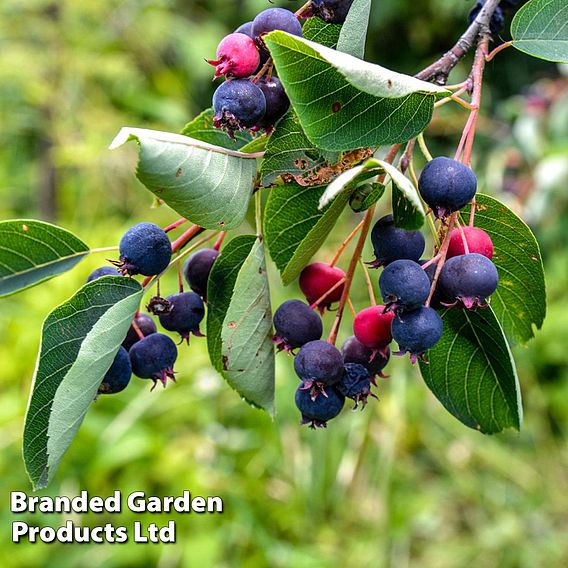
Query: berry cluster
x=146, y=249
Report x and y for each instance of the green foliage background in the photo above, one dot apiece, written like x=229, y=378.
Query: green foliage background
x=402, y=484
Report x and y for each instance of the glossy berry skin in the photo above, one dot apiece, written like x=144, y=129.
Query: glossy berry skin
x=372, y=327
x=391, y=243
x=354, y=351
x=197, y=268
x=404, y=285
x=153, y=358
x=447, y=185
x=497, y=20
x=275, y=19
x=187, y=311
x=417, y=331
x=145, y=324
x=237, y=56
x=245, y=28
x=477, y=241
x=319, y=362
x=469, y=279
x=144, y=249
x=238, y=104
x=316, y=279
x=118, y=376
x=319, y=410
x=331, y=11
x=295, y=325
x=277, y=102
x=103, y=271
x=355, y=383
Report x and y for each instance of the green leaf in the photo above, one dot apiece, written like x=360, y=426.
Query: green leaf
x=79, y=341
x=239, y=321
x=540, y=28
x=354, y=31
x=472, y=373
x=201, y=128
x=315, y=29
x=32, y=252
x=520, y=299
x=209, y=185
x=366, y=195
x=361, y=105
x=294, y=227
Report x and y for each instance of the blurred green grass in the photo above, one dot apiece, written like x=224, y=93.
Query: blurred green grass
x=401, y=484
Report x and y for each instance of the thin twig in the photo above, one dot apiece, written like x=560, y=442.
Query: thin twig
x=344, y=244
x=369, y=283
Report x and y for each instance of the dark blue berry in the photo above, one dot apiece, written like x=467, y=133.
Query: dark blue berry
x=391, y=243
x=153, y=358
x=275, y=19
x=118, y=375
x=197, y=268
x=103, y=271
x=319, y=410
x=185, y=314
x=277, y=102
x=469, y=279
x=417, y=331
x=246, y=29
x=332, y=11
x=238, y=104
x=404, y=284
x=354, y=351
x=144, y=249
x=497, y=20
x=145, y=324
x=355, y=383
x=295, y=325
x=447, y=185
x=438, y=301
x=319, y=362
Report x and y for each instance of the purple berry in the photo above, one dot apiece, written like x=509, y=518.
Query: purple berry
x=145, y=324
x=153, y=358
x=318, y=364
x=277, y=102
x=275, y=19
x=237, y=56
x=317, y=412
x=354, y=351
x=332, y=11
x=469, y=279
x=295, y=325
x=391, y=243
x=118, y=376
x=187, y=311
x=197, y=269
x=355, y=383
x=245, y=28
x=417, y=331
x=103, y=271
x=404, y=285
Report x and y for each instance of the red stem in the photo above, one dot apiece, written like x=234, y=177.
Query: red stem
x=219, y=241
x=175, y=225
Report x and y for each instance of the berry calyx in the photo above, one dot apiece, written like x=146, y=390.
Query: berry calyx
x=275, y=19
x=295, y=325
x=277, y=102
x=331, y=11
x=468, y=280
x=118, y=376
x=153, y=358
x=237, y=56
x=404, y=285
x=318, y=364
x=197, y=268
x=372, y=327
x=144, y=249
x=238, y=104
x=318, y=411
x=355, y=384
x=446, y=185
x=145, y=324
x=391, y=243
x=477, y=241
x=187, y=311
x=417, y=331
x=318, y=278
x=354, y=351
x=103, y=271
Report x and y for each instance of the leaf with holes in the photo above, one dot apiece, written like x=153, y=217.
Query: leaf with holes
x=239, y=321
x=32, y=252
x=78, y=343
x=472, y=373
x=345, y=103
x=295, y=228
x=540, y=28
x=209, y=185
x=520, y=299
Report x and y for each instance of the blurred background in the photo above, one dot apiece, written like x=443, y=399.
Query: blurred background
x=401, y=484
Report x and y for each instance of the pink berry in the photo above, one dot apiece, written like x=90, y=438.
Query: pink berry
x=237, y=56
x=372, y=327
x=317, y=278
x=478, y=241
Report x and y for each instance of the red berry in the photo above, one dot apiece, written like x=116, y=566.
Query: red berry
x=372, y=327
x=477, y=240
x=237, y=56
x=317, y=278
